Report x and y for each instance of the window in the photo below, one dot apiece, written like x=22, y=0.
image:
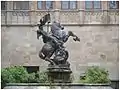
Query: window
x=39, y=4
x=65, y=4
x=49, y=5
x=45, y=5
x=114, y=4
x=3, y=5
x=68, y=4
x=21, y=5
x=32, y=69
x=92, y=4
x=88, y=5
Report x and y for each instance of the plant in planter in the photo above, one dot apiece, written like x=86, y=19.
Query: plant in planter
x=14, y=74
x=32, y=78
x=42, y=77
x=39, y=77
x=95, y=75
x=18, y=74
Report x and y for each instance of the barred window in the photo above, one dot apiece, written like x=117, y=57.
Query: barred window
x=49, y=4
x=39, y=4
x=21, y=5
x=65, y=4
x=3, y=5
x=68, y=4
x=88, y=4
x=92, y=4
x=114, y=4
x=45, y=5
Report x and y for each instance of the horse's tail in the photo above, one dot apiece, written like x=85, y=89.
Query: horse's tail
x=67, y=55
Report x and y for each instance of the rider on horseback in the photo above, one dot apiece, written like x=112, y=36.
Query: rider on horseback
x=57, y=31
x=54, y=41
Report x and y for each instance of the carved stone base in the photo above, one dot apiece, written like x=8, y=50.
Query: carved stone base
x=59, y=74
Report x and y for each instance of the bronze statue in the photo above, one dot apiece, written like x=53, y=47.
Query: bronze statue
x=54, y=42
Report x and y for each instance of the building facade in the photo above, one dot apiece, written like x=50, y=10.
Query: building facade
x=95, y=22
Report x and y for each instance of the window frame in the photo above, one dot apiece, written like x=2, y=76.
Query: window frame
x=113, y=8
x=43, y=4
x=20, y=7
x=69, y=8
x=5, y=5
x=93, y=6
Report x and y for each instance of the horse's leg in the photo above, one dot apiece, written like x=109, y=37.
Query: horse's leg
x=46, y=58
x=49, y=60
x=41, y=55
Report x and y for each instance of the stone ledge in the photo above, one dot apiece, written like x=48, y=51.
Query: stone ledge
x=55, y=84
x=32, y=25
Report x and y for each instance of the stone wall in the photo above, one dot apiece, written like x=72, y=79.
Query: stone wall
x=98, y=30
x=98, y=46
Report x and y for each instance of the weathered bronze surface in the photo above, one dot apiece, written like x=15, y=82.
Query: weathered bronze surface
x=54, y=51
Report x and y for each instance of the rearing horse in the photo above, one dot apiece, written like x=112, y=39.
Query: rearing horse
x=53, y=45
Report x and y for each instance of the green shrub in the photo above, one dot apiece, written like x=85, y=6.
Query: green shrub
x=32, y=78
x=18, y=74
x=95, y=74
x=42, y=77
x=15, y=74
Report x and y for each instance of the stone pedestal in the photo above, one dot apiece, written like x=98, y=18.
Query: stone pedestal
x=59, y=74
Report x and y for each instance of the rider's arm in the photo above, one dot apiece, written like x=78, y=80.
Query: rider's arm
x=65, y=36
x=56, y=41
